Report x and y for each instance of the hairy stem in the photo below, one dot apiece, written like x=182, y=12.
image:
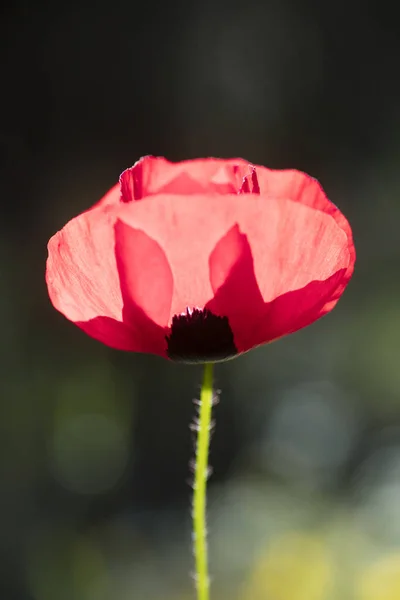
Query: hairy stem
x=200, y=484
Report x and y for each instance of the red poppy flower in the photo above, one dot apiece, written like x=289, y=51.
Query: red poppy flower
x=201, y=260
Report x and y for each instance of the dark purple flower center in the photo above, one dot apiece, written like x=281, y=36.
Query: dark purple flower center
x=199, y=336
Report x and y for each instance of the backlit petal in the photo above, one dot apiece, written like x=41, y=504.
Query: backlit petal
x=155, y=175
x=292, y=245
x=84, y=284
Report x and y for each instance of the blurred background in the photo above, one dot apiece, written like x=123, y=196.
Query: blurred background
x=304, y=502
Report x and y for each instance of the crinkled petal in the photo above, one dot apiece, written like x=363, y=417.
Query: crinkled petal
x=297, y=309
x=272, y=261
x=84, y=284
x=238, y=297
x=306, y=190
x=155, y=175
x=146, y=284
x=292, y=245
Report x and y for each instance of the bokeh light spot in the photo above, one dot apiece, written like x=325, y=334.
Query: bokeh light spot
x=297, y=566
x=380, y=581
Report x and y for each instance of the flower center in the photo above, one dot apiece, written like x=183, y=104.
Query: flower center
x=198, y=336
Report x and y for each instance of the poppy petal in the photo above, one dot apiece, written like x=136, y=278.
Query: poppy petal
x=113, y=333
x=183, y=230
x=291, y=243
x=299, y=187
x=83, y=282
x=306, y=190
x=156, y=175
x=237, y=295
x=294, y=310
x=146, y=284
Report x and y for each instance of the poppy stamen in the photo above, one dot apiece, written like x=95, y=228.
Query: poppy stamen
x=200, y=336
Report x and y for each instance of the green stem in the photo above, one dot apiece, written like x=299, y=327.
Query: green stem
x=200, y=484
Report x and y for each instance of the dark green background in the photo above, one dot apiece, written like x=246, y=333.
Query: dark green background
x=95, y=444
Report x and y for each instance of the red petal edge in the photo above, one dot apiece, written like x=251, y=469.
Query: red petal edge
x=91, y=286
x=237, y=293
